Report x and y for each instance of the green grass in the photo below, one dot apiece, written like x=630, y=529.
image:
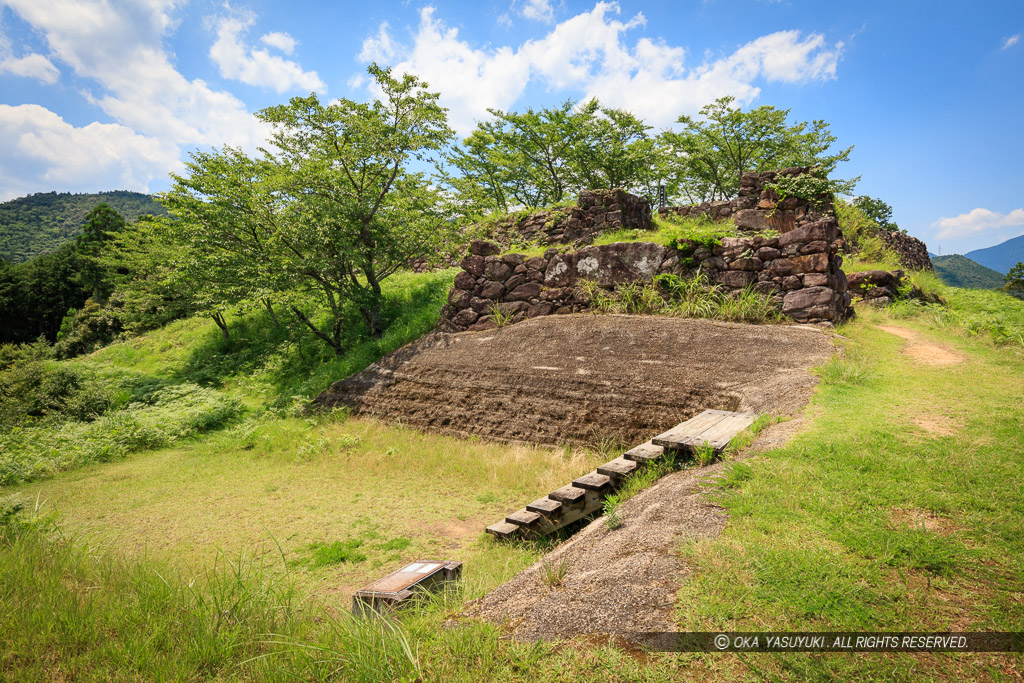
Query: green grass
x=185, y=379
x=899, y=509
x=692, y=297
x=232, y=553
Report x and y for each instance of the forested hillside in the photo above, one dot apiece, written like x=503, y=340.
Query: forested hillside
x=959, y=271
x=40, y=223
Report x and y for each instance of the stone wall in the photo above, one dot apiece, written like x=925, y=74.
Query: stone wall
x=758, y=209
x=800, y=270
x=596, y=211
x=912, y=252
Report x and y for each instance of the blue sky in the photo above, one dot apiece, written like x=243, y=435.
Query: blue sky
x=113, y=94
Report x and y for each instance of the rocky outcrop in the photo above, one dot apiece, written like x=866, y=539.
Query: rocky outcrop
x=757, y=208
x=596, y=212
x=877, y=287
x=912, y=252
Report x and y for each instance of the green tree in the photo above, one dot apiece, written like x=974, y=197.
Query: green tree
x=331, y=210
x=616, y=151
x=1015, y=280
x=712, y=152
x=539, y=157
x=102, y=223
x=876, y=210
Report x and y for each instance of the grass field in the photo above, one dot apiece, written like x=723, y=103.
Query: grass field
x=228, y=555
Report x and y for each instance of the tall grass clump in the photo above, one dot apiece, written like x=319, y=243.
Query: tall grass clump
x=172, y=414
x=693, y=297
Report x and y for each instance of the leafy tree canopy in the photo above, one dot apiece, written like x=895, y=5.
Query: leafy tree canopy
x=1015, y=280
x=711, y=152
x=876, y=210
x=330, y=211
x=541, y=157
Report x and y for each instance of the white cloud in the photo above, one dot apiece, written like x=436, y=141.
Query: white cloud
x=257, y=66
x=1011, y=41
x=540, y=10
x=470, y=80
x=282, y=41
x=31, y=66
x=380, y=48
x=976, y=221
x=116, y=46
x=47, y=153
x=589, y=55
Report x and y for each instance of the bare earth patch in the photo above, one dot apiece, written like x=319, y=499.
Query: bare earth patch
x=585, y=378
x=622, y=580
x=921, y=351
x=916, y=518
x=937, y=425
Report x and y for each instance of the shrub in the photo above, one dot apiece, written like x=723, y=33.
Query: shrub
x=86, y=330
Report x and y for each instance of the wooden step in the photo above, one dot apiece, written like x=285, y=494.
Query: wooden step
x=523, y=518
x=568, y=494
x=712, y=427
x=545, y=506
x=619, y=468
x=645, y=452
x=504, y=530
x=593, y=482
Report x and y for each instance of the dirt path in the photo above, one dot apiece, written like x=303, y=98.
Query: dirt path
x=921, y=350
x=622, y=580
x=585, y=378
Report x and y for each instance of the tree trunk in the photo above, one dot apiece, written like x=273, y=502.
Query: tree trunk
x=218, y=318
x=334, y=343
x=273, y=315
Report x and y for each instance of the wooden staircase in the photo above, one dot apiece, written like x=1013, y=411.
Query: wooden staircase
x=585, y=495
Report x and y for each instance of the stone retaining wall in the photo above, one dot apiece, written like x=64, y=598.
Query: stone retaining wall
x=912, y=252
x=757, y=208
x=596, y=211
x=800, y=270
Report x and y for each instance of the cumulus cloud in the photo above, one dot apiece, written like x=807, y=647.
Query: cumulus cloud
x=282, y=41
x=116, y=48
x=1011, y=41
x=590, y=55
x=255, y=66
x=31, y=66
x=49, y=153
x=541, y=10
x=977, y=221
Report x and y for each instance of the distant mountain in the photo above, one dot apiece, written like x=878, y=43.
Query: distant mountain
x=1001, y=257
x=39, y=223
x=959, y=271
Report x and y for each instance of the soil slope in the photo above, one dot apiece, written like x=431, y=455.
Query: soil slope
x=585, y=378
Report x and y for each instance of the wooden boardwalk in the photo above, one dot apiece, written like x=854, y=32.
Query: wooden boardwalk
x=585, y=495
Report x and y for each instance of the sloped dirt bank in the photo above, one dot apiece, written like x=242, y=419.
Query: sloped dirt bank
x=584, y=378
x=620, y=582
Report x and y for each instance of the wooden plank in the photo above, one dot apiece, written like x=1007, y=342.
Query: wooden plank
x=504, y=530
x=523, y=518
x=568, y=494
x=618, y=468
x=545, y=506
x=678, y=436
x=593, y=482
x=721, y=433
x=645, y=452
